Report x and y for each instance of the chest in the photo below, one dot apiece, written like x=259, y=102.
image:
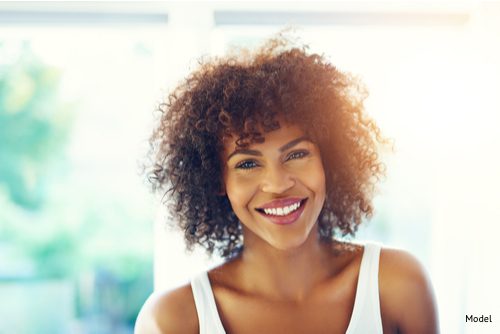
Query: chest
x=330, y=312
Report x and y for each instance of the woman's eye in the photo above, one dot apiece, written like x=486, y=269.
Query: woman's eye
x=297, y=155
x=248, y=164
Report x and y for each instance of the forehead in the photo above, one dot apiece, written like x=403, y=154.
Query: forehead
x=284, y=134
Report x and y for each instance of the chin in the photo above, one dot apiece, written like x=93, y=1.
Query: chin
x=288, y=244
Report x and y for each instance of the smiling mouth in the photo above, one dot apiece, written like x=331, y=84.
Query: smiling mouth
x=282, y=211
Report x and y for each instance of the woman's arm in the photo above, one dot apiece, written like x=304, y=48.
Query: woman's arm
x=169, y=312
x=406, y=296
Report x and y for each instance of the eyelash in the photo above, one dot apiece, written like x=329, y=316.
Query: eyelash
x=242, y=165
x=293, y=155
x=301, y=153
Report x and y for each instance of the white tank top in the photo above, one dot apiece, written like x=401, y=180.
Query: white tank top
x=365, y=316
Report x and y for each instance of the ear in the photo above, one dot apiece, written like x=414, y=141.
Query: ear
x=222, y=190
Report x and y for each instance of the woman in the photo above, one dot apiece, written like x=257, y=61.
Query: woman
x=269, y=157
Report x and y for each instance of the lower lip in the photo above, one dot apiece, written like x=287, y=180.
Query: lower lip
x=288, y=219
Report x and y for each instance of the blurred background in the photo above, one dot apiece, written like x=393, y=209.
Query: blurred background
x=83, y=242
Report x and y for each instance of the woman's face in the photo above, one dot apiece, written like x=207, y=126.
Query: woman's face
x=276, y=188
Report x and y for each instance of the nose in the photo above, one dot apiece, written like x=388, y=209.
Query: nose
x=277, y=180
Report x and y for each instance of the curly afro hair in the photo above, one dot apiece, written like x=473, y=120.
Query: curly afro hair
x=244, y=94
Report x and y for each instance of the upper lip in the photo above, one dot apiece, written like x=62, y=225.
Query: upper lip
x=281, y=202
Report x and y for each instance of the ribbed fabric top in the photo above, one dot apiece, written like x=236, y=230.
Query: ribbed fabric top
x=365, y=316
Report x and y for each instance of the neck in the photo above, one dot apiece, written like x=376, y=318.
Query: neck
x=285, y=274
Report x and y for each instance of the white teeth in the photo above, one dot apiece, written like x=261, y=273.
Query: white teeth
x=282, y=211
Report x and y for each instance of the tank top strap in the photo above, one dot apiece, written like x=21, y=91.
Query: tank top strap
x=366, y=317
x=208, y=317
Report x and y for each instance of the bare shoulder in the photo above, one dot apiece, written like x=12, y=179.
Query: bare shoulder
x=406, y=295
x=168, y=312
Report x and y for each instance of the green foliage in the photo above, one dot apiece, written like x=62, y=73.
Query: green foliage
x=34, y=127
x=53, y=225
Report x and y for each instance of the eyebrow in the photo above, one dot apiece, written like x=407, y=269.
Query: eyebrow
x=259, y=154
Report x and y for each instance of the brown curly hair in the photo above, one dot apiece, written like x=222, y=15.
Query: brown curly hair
x=245, y=94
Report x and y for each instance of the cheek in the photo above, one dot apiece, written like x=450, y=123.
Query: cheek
x=238, y=191
x=317, y=179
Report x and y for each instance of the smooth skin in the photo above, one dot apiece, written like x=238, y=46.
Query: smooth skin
x=286, y=280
